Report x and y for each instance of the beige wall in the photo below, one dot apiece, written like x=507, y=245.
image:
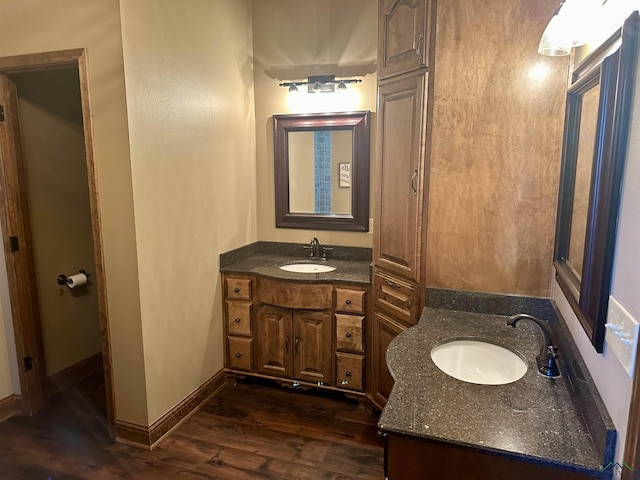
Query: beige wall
x=293, y=40
x=610, y=377
x=342, y=141
x=191, y=118
x=58, y=195
x=32, y=26
x=497, y=135
x=301, y=172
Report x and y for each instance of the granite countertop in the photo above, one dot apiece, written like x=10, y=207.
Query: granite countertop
x=534, y=418
x=353, y=265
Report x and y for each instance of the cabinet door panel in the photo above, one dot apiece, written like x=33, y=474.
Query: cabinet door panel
x=400, y=173
x=404, y=37
x=384, y=330
x=274, y=341
x=312, y=346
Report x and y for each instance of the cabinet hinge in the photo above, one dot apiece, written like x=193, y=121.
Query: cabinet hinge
x=14, y=244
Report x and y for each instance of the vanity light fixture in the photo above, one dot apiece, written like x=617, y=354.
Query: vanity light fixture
x=569, y=27
x=321, y=83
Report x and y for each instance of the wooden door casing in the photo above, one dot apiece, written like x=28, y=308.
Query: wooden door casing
x=19, y=253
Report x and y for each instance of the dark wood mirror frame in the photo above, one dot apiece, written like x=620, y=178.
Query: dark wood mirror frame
x=610, y=68
x=359, y=124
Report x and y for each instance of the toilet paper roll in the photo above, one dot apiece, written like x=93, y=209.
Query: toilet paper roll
x=76, y=280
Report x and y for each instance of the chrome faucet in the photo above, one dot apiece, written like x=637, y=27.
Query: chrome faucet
x=318, y=252
x=546, y=359
x=314, y=246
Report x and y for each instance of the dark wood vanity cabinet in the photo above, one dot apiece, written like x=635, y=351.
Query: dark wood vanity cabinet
x=298, y=332
x=410, y=457
x=405, y=37
x=238, y=308
x=294, y=344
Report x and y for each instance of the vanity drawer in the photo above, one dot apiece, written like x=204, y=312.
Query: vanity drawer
x=349, y=332
x=240, y=353
x=396, y=297
x=239, y=318
x=299, y=295
x=350, y=300
x=238, y=288
x=349, y=371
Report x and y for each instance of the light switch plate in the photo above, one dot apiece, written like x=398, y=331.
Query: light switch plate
x=622, y=334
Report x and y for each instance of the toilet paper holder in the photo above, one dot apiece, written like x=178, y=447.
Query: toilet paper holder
x=64, y=280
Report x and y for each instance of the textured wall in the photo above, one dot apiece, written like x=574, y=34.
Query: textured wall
x=293, y=40
x=497, y=137
x=33, y=26
x=191, y=120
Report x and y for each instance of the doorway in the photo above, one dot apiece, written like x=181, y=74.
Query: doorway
x=51, y=230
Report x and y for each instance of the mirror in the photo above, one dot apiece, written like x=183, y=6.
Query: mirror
x=321, y=166
x=594, y=151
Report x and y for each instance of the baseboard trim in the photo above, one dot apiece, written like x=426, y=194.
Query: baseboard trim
x=149, y=437
x=74, y=374
x=10, y=406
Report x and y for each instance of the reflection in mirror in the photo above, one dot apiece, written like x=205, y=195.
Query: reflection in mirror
x=584, y=162
x=319, y=171
x=594, y=151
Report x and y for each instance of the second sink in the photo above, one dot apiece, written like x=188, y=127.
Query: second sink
x=475, y=361
x=307, y=268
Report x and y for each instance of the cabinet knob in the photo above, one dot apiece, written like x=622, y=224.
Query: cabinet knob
x=348, y=302
x=237, y=320
x=238, y=355
x=347, y=373
x=236, y=290
x=348, y=334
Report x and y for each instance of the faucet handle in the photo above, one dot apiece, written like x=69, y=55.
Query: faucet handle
x=325, y=250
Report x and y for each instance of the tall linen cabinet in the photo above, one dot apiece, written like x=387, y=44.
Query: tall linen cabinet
x=406, y=32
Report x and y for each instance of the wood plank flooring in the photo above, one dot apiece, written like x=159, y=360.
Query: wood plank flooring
x=252, y=430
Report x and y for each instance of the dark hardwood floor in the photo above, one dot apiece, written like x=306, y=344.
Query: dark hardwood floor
x=252, y=430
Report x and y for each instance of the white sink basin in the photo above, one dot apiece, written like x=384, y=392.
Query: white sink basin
x=307, y=268
x=479, y=362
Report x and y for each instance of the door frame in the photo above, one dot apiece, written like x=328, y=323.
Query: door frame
x=24, y=301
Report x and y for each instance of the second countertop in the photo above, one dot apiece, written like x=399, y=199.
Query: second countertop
x=534, y=418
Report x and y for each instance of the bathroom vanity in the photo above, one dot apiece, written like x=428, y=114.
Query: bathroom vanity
x=302, y=329
x=436, y=426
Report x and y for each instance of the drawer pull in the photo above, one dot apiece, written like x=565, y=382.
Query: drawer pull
x=297, y=342
x=237, y=320
x=286, y=344
x=238, y=355
x=392, y=284
x=348, y=302
x=348, y=335
x=348, y=373
x=236, y=290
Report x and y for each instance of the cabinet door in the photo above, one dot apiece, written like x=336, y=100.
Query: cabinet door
x=274, y=341
x=384, y=330
x=401, y=176
x=312, y=346
x=403, y=35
